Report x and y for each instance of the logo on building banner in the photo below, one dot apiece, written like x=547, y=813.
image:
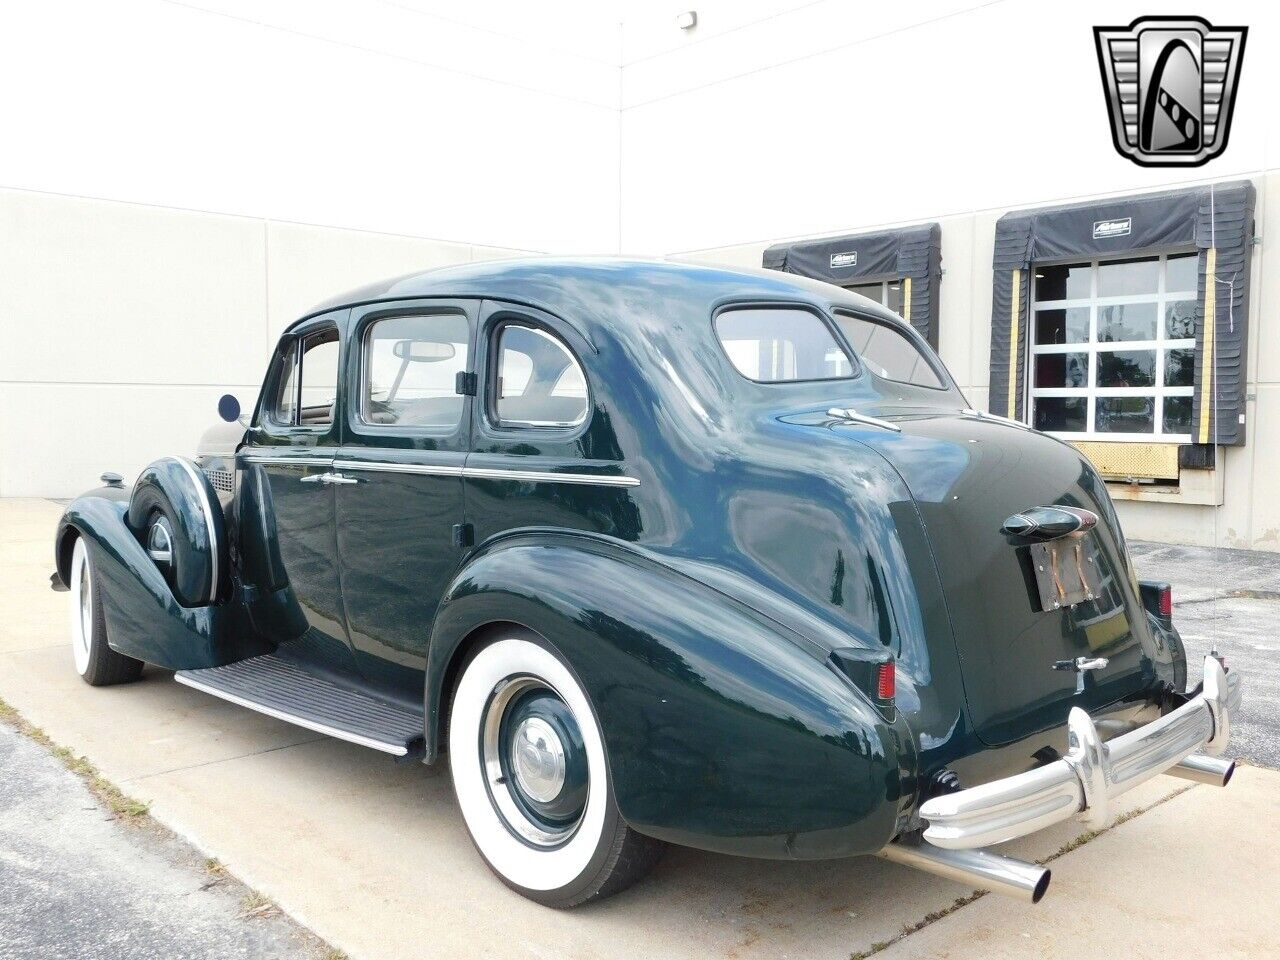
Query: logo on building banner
x=1102, y=229
x=1170, y=84
x=847, y=259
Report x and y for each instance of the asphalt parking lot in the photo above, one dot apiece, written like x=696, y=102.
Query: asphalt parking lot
x=77, y=883
x=1229, y=599
x=372, y=856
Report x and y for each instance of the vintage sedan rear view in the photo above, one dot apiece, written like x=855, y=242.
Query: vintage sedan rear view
x=651, y=553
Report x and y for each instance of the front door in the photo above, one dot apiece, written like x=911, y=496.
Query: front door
x=407, y=432
x=287, y=512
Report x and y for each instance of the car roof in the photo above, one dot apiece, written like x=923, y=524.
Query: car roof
x=603, y=290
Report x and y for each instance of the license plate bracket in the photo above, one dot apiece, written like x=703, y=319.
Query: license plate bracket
x=1067, y=571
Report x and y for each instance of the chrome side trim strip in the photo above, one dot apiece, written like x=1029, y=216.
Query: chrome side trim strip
x=486, y=473
x=538, y=476
x=286, y=461
x=380, y=466
x=392, y=748
x=198, y=478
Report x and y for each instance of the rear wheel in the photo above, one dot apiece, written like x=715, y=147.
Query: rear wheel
x=95, y=661
x=529, y=770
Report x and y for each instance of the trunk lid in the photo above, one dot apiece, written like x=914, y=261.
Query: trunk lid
x=968, y=474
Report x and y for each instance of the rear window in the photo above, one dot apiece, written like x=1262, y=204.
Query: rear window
x=888, y=352
x=781, y=345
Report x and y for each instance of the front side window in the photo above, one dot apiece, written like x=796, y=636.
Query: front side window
x=781, y=344
x=1113, y=348
x=410, y=372
x=309, y=382
x=888, y=352
x=537, y=381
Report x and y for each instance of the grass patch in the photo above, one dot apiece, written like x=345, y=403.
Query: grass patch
x=258, y=906
x=112, y=797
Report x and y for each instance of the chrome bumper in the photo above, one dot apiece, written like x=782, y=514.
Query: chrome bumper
x=1092, y=773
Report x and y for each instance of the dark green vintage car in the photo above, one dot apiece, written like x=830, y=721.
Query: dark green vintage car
x=656, y=554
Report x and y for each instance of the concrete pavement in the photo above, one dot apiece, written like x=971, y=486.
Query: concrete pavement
x=373, y=856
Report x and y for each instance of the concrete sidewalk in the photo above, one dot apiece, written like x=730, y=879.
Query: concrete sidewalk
x=374, y=857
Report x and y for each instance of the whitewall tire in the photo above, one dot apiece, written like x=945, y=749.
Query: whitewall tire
x=530, y=773
x=94, y=660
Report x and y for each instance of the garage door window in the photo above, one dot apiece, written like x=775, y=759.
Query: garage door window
x=1113, y=348
x=887, y=293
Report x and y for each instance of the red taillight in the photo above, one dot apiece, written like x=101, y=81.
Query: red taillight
x=886, y=681
x=1166, y=602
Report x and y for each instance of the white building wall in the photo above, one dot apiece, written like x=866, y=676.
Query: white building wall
x=779, y=120
x=124, y=323
x=179, y=180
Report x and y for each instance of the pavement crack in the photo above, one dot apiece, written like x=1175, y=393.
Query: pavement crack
x=238, y=756
x=961, y=902
x=1243, y=594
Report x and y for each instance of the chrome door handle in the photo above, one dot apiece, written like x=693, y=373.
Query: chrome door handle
x=327, y=478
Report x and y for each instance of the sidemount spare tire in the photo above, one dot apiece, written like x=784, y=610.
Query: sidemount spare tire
x=174, y=511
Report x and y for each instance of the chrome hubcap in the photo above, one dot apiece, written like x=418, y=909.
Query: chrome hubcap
x=534, y=761
x=537, y=759
x=160, y=542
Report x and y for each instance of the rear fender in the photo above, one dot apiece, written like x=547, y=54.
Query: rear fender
x=721, y=732
x=144, y=619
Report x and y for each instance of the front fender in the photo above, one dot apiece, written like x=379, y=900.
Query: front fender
x=144, y=619
x=721, y=732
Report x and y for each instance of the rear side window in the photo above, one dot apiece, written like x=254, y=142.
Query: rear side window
x=411, y=367
x=538, y=381
x=781, y=344
x=888, y=352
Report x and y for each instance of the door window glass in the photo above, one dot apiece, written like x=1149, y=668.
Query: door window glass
x=538, y=382
x=411, y=367
x=319, y=378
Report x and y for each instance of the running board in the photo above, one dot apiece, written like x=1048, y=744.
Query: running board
x=282, y=689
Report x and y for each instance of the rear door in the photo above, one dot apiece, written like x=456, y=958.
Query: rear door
x=545, y=454
x=400, y=489
x=287, y=513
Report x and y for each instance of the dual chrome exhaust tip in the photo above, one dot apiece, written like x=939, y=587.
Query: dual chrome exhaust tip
x=982, y=868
